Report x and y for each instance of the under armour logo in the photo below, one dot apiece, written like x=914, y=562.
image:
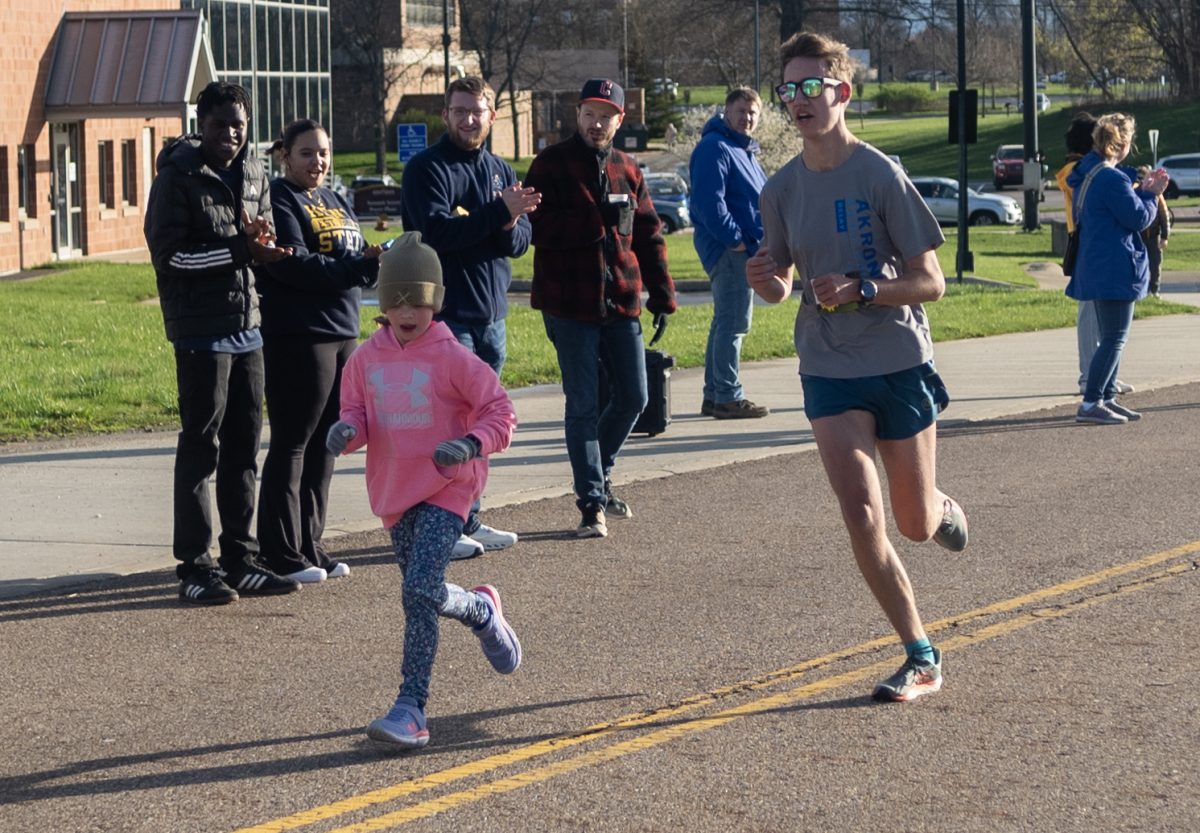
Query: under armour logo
x=415, y=388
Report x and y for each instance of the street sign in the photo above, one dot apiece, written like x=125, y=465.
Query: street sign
x=411, y=140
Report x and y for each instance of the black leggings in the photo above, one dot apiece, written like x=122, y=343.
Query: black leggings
x=303, y=379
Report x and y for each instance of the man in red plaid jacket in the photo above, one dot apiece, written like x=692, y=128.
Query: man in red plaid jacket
x=597, y=242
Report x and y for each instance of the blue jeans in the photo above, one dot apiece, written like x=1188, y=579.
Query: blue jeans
x=488, y=342
x=1087, y=333
x=1114, y=318
x=595, y=439
x=733, y=310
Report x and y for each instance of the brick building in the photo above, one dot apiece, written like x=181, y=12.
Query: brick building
x=90, y=97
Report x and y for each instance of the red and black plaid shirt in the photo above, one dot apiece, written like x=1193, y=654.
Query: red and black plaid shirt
x=570, y=237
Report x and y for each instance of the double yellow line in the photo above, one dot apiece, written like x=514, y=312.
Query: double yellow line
x=696, y=725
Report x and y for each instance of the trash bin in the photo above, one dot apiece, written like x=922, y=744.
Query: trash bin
x=632, y=137
x=1058, y=236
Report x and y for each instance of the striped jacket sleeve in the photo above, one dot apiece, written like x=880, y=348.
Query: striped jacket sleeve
x=173, y=215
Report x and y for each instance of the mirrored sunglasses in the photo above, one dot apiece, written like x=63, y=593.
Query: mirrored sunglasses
x=808, y=87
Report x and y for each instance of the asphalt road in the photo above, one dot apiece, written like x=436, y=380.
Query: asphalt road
x=705, y=668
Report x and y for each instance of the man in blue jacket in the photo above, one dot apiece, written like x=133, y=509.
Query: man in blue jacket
x=726, y=181
x=469, y=207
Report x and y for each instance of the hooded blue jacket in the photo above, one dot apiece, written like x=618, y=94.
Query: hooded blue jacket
x=1112, y=263
x=451, y=196
x=726, y=181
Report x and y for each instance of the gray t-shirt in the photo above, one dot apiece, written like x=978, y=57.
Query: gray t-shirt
x=863, y=217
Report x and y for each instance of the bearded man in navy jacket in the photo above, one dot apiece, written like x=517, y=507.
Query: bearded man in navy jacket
x=469, y=206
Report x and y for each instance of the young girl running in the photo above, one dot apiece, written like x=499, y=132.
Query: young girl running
x=429, y=412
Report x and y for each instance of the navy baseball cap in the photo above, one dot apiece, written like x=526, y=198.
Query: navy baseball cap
x=601, y=89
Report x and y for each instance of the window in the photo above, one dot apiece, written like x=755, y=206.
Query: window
x=129, y=166
x=28, y=158
x=426, y=12
x=5, y=211
x=22, y=181
x=105, y=176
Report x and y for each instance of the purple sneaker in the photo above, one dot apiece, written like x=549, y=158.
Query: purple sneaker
x=500, y=643
x=403, y=726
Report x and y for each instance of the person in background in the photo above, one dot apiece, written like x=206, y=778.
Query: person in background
x=597, y=241
x=1155, y=237
x=1087, y=329
x=1112, y=270
x=208, y=219
x=429, y=412
x=726, y=180
x=310, y=326
x=864, y=243
x=469, y=207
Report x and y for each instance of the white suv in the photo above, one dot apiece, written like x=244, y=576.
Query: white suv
x=1184, y=169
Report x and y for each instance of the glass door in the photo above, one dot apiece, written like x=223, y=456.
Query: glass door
x=64, y=190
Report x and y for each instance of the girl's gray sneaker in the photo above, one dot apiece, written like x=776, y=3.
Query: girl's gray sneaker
x=403, y=726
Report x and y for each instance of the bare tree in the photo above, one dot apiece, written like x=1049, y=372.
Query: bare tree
x=499, y=33
x=367, y=35
x=1174, y=25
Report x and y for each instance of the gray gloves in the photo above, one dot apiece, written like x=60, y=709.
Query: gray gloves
x=456, y=452
x=339, y=436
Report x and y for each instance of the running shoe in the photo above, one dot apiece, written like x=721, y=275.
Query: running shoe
x=403, y=726
x=952, y=531
x=499, y=640
x=911, y=681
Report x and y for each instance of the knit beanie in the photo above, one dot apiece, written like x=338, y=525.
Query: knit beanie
x=410, y=273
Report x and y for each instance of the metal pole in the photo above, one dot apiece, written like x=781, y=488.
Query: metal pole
x=964, y=261
x=757, y=52
x=446, y=41
x=625, y=37
x=1029, y=97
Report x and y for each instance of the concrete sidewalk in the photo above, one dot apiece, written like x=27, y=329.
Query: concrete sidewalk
x=77, y=510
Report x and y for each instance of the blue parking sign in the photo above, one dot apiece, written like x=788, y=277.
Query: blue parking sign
x=410, y=139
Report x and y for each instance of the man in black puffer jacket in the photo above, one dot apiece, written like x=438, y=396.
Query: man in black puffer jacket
x=207, y=220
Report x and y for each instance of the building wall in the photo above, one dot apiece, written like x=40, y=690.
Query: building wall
x=27, y=29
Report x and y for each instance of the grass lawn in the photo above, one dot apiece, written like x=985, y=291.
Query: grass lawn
x=84, y=351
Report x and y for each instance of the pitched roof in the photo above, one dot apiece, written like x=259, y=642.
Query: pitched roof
x=128, y=64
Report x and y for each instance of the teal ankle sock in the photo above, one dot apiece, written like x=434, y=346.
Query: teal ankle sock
x=920, y=651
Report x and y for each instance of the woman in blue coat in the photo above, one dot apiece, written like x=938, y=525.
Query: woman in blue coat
x=1112, y=269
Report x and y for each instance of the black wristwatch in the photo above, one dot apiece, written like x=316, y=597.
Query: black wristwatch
x=868, y=290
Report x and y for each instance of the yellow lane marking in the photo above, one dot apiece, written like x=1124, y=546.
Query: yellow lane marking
x=703, y=724
x=600, y=730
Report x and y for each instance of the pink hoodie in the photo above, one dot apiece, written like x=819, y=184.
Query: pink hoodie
x=405, y=399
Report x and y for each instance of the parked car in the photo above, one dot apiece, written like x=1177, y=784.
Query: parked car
x=1043, y=103
x=1059, y=77
x=941, y=195
x=665, y=86
x=337, y=185
x=669, y=193
x=1008, y=165
x=371, y=181
x=1184, y=169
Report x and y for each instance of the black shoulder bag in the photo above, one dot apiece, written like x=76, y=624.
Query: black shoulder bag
x=1072, y=252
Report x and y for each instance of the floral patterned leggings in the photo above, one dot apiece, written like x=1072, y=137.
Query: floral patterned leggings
x=422, y=540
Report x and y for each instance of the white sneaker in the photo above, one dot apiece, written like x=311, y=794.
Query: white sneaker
x=309, y=575
x=494, y=539
x=465, y=547
x=339, y=570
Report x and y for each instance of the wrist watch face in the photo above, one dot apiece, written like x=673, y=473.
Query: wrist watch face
x=868, y=290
